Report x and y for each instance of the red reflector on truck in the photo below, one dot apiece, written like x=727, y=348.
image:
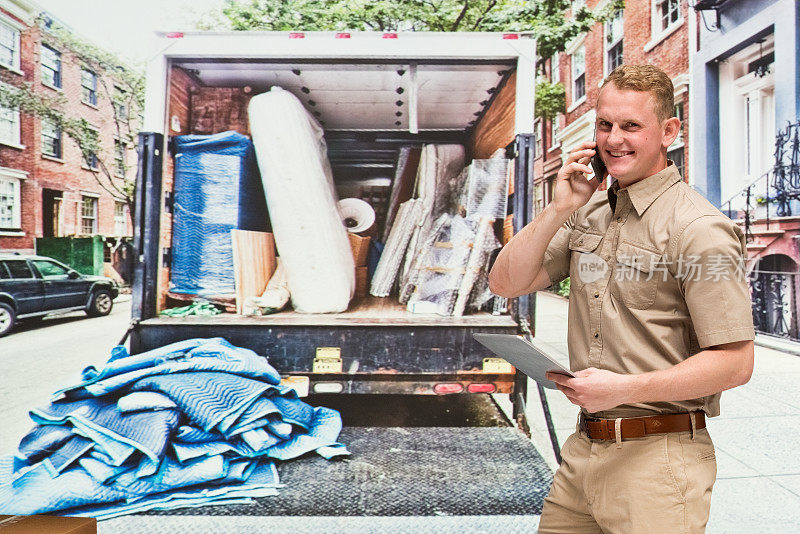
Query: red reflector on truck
x=174, y=35
x=443, y=389
x=510, y=36
x=343, y=36
x=390, y=36
x=481, y=388
x=297, y=35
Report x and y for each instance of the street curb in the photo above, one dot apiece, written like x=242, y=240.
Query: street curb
x=783, y=345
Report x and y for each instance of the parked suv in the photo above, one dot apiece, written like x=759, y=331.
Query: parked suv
x=33, y=286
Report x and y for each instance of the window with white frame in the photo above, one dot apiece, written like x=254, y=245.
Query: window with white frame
x=88, y=215
x=555, y=68
x=89, y=87
x=538, y=136
x=9, y=126
x=51, y=139
x=555, y=127
x=614, y=33
x=120, y=226
x=51, y=66
x=665, y=15
x=675, y=152
x=578, y=74
x=9, y=203
x=9, y=46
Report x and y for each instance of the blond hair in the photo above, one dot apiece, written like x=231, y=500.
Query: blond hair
x=649, y=79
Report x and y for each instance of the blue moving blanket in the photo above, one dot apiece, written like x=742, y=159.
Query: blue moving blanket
x=193, y=423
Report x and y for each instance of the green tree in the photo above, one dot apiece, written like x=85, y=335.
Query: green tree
x=118, y=83
x=544, y=19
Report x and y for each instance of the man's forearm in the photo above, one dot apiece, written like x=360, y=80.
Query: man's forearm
x=520, y=261
x=706, y=373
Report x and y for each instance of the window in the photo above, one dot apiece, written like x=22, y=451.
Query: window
x=9, y=204
x=578, y=74
x=49, y=269
x=668, y=12
x=679, y=113
x=9, y=126
x=538, y=135
x=51, y=139
x=88, y=87
x=88, y=215
x=119, y=157
x=120, y=103
x=120, y=226
x=614, y=33
x=555, y=74
x=51, y=67
x=9, y=46
x=19, y=269
x=91, y=160
x=554, y=129
x=677, y=158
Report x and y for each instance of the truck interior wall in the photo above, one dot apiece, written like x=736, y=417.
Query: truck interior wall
x=496, y=127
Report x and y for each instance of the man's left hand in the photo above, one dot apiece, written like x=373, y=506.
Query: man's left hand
x=593, y=389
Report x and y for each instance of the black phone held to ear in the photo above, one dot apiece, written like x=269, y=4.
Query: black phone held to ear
x=599, y=167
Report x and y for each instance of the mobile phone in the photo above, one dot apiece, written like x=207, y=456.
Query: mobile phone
x=598, y=166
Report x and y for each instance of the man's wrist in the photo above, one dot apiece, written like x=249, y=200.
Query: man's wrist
x=635, y=385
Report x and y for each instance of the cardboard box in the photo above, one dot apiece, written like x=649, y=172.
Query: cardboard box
x=51, y=524
x=361, y=282
x=360, y=247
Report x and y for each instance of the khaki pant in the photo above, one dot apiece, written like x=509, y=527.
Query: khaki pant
x=658, y=483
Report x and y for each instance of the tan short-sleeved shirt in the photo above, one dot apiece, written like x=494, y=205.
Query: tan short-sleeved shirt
x=656, y=275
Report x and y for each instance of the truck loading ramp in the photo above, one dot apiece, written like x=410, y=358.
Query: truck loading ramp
x=399, y=479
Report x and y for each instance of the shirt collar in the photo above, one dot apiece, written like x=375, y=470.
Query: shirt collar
x=644, y=192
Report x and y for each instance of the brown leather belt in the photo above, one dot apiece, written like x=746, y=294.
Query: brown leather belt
x=637, y=427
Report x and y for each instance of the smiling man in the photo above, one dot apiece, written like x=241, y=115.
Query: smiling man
x=660, y=320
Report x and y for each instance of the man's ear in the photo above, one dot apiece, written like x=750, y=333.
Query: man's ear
x=670, y=129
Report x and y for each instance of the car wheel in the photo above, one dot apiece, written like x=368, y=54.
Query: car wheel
x=7, y=318
x=101, y=303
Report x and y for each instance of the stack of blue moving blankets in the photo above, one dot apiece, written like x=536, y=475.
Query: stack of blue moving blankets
x=192, y=423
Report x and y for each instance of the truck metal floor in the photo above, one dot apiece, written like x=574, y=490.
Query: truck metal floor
x=397, y=476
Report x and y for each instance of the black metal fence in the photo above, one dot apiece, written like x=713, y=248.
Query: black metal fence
x=774, y=297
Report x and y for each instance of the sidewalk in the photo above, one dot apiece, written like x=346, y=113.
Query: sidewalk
x=756, y=436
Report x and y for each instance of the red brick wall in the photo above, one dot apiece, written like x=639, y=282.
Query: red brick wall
x=68, y=175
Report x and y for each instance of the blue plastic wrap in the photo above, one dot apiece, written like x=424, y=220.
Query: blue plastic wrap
x=217, y=189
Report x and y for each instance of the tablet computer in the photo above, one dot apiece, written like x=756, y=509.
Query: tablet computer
x=530, y=358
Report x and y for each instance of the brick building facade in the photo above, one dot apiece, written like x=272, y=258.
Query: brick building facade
x=657, y=32
x=47, y=189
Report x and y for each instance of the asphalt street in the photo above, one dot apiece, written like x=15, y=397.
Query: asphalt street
x=38, y=358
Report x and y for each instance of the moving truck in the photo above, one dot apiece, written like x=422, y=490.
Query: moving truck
x=372, y=93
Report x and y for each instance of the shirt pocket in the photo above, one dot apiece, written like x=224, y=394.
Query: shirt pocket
x=636, y=277
x=583, y=267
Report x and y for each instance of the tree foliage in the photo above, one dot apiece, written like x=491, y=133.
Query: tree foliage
x=128, y=103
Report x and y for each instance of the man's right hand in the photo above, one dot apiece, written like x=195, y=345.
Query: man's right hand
x=572, y=190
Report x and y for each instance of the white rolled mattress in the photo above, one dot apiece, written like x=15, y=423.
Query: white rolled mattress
x=309, y=233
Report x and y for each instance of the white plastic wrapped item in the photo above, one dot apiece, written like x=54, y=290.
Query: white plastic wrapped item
x=476, y=262
x=393, y=252
x=275, y=296
x=439, y=166
x=302, y=203
x=443, y=266
x=486, y=193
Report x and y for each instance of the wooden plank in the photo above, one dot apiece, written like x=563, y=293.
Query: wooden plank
x=253, y=263
x=496, y=128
